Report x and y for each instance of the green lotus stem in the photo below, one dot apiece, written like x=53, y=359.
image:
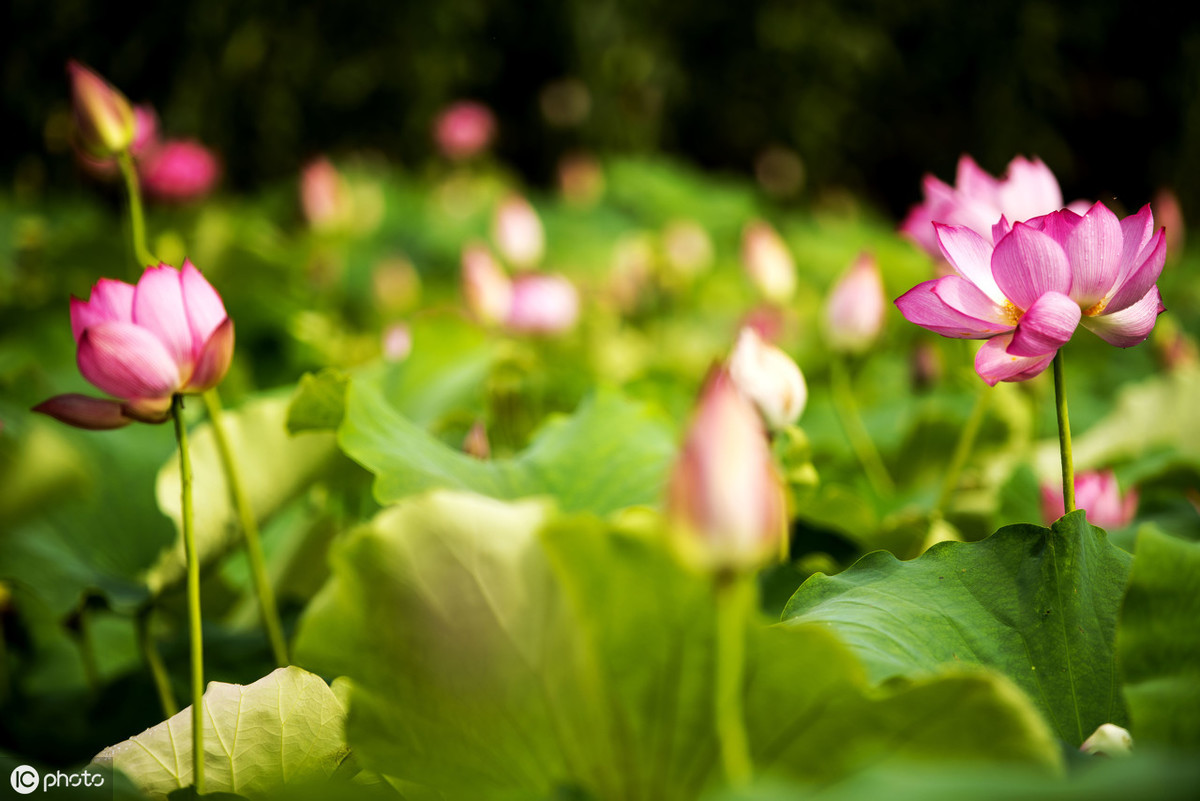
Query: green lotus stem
x=856, y=432
x=1064, y=433
x=166, y=697
x=962, y=449
x=734, y=599
x=249, y=523
x=137, y=220
x=195, y=635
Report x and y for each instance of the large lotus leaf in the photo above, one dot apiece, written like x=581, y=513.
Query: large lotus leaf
x=610, y=454
x=1158, y=642
x=274, y=465
x=284, y=729
x=1037, y=604
x=495, y=655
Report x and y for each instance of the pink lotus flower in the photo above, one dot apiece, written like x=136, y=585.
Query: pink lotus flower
x=1043, y=278
x=103, y=119
x=1098, y=493
x=487, y=290
x=144, y=344
x=855, y=309
x=542, y=304
x=178, y=170
x=769, y=377
x=1029, y=189
x=725, y=496
x=768, y=262
x=464, y=129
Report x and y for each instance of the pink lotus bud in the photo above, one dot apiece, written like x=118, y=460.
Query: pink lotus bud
x=323, y=194
x=397, y=342
x=1109, y=740
x=464, y=129
x=687, y=247
x=725, y=497
x=1097, y=493
x=518, y=232
x=542, y=304
x=487, y=290
x=144, y=344
x=145, y=138
x=769, y=377
x=768, y=321
x=855, y=308
x=179, y=170
x=768, y=262
x=1169, y=214
x=476, y=442
x=103, y=118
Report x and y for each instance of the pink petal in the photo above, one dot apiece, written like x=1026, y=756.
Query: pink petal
x=214, y=359
x=994, y=364
x=999, y=231
x=81, y=411
x=1029, y=189
x=1027, y=264
x=971, y=255
x=205, y=311
x=127, y=361
x=923, y=305
x=1058, y=225
x=111, y=301
x=158, y=308
x=1046, y=326
x=1094, y=249
x=1131, y=325
x=1139, y=282
x=962, y=296
x=148, y=410
x=1136, y=231
x=973, y=181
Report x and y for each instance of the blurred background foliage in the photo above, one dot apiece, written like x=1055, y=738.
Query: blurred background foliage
x=868, y=94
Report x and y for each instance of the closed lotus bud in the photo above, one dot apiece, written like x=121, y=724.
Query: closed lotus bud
x=769, y=377
x=855, y=308
x=1097, y=493
x=543, y=304
x=464, y=129
x=145, y=139
x=1169, y=214
x=518, y=232
x=103, y=118
x=725, y=498
x=488, y=291
x=179, y=170
x=768, y=262
x=1110, y=740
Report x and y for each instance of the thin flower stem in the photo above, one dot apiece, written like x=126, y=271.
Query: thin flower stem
x=162, y=683
x=193, y=596
x=137, y=220
x=962, y=449
x=1064, y=433
x=245, y=512
x=734, y=599
x=856, y=432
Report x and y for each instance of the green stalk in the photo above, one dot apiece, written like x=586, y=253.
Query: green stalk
x=856, y=432
x=962, y=449
x=258, y=568
x=137, y=220
x=1064, y=433
x=193, y=596
x=166, y=697
x=734, y=598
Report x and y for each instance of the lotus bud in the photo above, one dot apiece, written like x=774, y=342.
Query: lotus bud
x=488, y=291
x=179, y=170
x=324, y=196
x=725, y=498
x=768, y=262
x=517, y=231
x=542, y=304
x=1097, y=493
x=1109, y=740
x=464, y=129
x=769, y=377
x=103, y=118
x=1169, y=214
x=476, y=442
x=397, y=342
x=855, y=308
x=145, y=139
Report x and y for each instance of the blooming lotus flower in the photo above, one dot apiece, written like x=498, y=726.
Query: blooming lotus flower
x=464, y=129
x=487, y=290
x=725, y=497
x=178, y=170
x=144, y=344
x=769, y=377
x=542, y=304
x=977, y=201
x=518, y=232
x=103, y=119
x=768, y=262
x=1096, y=492
x=854, y=311
x=1042, y=279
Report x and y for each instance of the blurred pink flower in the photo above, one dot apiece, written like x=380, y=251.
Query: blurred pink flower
x=487, y=290
x=517, y=230
x=323, y=194
x=102, y=118
x=464, y=129
x=397, y=342
x=178, y=170
x=1097, y=493
x=1043, y=278
x=768, y=376
x=542, y=304
x=855, y=308
x=143, y=344
x=767, y=262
